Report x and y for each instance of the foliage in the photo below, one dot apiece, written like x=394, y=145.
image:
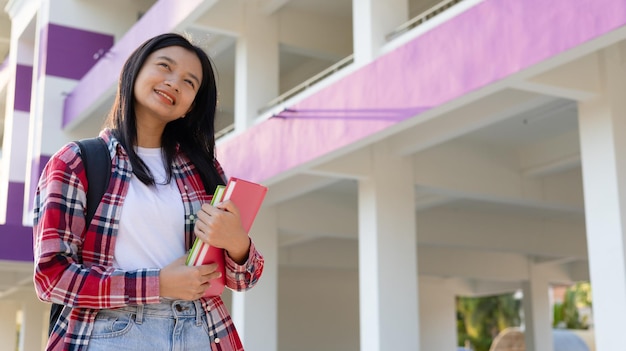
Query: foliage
x=480, y=319
x=566, y=314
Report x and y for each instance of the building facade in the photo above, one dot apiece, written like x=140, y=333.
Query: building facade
x=414, y=150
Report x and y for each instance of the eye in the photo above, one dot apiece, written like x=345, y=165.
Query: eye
x=190, y=82
x=163, y=64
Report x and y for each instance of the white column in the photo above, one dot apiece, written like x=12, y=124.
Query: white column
x=257, y=64
x=388, y=255
x=537, y=311
x=63, y=24
x=8, y=325
x=16, y=121
x=437, y=302
x=602, y=124
x=255, y=311
x=33, y=332
x=372, y=20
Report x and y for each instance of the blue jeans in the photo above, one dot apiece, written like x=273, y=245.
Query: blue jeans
x=172, y=325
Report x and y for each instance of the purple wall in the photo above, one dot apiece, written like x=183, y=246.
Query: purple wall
x=23, y=87
x=17, y=240
x=17, y=243
x=15, y=203
x=37, y=167
x=483, y=45
x=71, y=52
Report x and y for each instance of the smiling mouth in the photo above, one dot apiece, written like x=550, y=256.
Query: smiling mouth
x=171, y=100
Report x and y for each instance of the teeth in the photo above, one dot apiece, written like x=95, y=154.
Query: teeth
x=165, y=96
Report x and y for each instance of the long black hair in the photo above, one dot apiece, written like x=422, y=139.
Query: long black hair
x=194, y=134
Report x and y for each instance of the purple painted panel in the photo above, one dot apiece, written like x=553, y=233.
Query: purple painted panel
x=485, y=44
x=36, y=170
x=163, y=17
x=23, y=87
x=17, y=243
x=71, y=52
x=15, y=203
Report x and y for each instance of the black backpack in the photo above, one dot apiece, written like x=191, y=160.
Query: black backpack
x=97, y=162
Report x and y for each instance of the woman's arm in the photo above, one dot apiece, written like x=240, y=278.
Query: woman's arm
x=67, y=271
x=244, y=276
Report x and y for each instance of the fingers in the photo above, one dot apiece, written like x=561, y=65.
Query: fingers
x=208, y=210
x=178, y=280
x=228, y=206
x=208, y=269
x=213, y=224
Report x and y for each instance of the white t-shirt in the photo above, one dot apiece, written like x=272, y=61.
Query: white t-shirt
x=152, y=223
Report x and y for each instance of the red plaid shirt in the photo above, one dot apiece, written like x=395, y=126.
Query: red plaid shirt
x=73, y=266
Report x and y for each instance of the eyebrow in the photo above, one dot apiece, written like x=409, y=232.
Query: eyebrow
x=168, y=59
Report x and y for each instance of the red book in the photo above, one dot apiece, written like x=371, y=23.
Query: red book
x=248, y=197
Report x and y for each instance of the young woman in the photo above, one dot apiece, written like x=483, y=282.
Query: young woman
x=122, y=278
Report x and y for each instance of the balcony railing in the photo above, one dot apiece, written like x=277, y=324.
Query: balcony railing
x=414, y=22
x=422, y=18
x=307, y=83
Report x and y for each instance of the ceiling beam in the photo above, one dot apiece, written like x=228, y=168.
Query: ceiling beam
x=467, y=118
x=463, y=170
x=577, y=80
x=270, y=7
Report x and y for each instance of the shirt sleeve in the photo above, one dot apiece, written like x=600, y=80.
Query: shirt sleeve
x=241, y=277
x=62, y=274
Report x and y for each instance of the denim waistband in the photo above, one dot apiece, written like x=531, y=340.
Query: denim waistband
x=175, y=309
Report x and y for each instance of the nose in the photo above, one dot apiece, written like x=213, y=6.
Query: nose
x=171, y=82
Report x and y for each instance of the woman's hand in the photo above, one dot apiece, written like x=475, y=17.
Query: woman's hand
x=179, y=281
x=220, y=226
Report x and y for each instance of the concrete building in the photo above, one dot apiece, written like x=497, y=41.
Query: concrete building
x=414, y=150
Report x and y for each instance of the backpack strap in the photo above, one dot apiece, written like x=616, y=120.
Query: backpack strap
x=97, y=163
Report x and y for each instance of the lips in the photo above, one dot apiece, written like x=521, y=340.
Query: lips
x=167, y=96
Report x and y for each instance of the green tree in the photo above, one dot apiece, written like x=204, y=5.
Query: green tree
x=566, y=314
x=480, y=319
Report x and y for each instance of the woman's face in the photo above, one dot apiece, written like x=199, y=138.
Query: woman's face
x=166, y=86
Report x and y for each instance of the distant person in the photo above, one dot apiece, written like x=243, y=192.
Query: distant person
x=122, y=280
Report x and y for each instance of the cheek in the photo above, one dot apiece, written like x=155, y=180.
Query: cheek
x=189, y=102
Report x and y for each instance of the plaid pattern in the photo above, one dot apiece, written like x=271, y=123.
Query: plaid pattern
x=73, y=266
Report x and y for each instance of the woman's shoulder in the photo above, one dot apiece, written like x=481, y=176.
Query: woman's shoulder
x=63, y=165
x=70, y=153
x=67, y=154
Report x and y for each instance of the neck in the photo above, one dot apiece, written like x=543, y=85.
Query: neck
x=149, y=141
x=149, y=136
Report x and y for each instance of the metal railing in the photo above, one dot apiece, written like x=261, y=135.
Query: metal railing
x=307, y=83
x=220, y=133
x=421, y=18
x=414, y=22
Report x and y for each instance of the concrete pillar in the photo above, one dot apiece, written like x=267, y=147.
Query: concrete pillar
x=255, y=312
x=55, y=74
x=602, y=123
x=372, y=20
x=17, y=114
x=33, y=331
x=257, y=64
x=8, y=325
x=537, y=311
x=437, y=302
x=387, y=241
